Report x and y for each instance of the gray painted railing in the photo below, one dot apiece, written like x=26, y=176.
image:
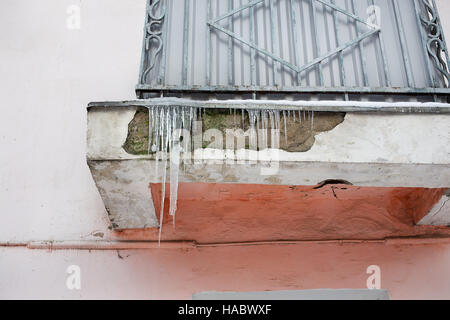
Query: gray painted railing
x=345, y=47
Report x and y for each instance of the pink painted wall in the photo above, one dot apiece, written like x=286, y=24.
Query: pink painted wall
x=408, y=271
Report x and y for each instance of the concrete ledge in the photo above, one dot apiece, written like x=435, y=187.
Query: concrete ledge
x=365, y=150
x=124, y=184
x=330, y=106
x=142, y=172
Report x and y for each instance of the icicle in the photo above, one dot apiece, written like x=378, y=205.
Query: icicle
x=194, y=126
x=157, y=134
x=264, y=129
x=272, y=127
x=276, y=133
x=252, y=118
x=285, y=127
x=183, y=126
x=166, y=125
x=276, y=116
x=267, y=124
x=164, y=135
x=191, y=123
x=150, y=131
x=174, y=165
x=258, y=125
x=277, y=119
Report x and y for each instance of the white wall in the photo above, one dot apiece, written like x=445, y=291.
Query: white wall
x=48, y=75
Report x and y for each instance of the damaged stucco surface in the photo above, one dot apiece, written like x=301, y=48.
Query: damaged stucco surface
x=124, y=184
x=367, y=138
x=366, y=150
x=125, y=192
x=107, y=131
x=439, y=215
x=299, y=135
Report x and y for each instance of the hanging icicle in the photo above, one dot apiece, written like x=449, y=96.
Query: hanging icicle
x=285, y=128
x=168, y=124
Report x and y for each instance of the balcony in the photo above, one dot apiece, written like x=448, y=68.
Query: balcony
x=338, y=111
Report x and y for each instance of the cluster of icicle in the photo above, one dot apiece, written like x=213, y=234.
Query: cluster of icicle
x=166, y=125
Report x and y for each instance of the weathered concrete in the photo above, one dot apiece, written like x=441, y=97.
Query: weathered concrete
x=107, y=132
x=439, y=215
x=376, y=150
x=123, y=184
x=374, y=138
x=125, y=193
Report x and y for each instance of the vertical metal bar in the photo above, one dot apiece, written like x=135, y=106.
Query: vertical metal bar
x=230, y=45
x=424, y=44
x=295, y=38
x=403, y=44
x=162, y=77
x=438, y=20
x=273, y=37
x=361, y=49
x=252, y=51
x=144, y=38
x=185, y=42
x=338, y=43
x=208, y=45
x=316, y=41
x=383, y=55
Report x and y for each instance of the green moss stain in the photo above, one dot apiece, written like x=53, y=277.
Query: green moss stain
x=300, y=137
x=137, y=139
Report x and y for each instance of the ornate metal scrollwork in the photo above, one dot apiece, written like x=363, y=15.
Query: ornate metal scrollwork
x=153, y=32
x=435, y=39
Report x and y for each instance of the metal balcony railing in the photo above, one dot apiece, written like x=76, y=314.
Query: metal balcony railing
x=293, y=47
